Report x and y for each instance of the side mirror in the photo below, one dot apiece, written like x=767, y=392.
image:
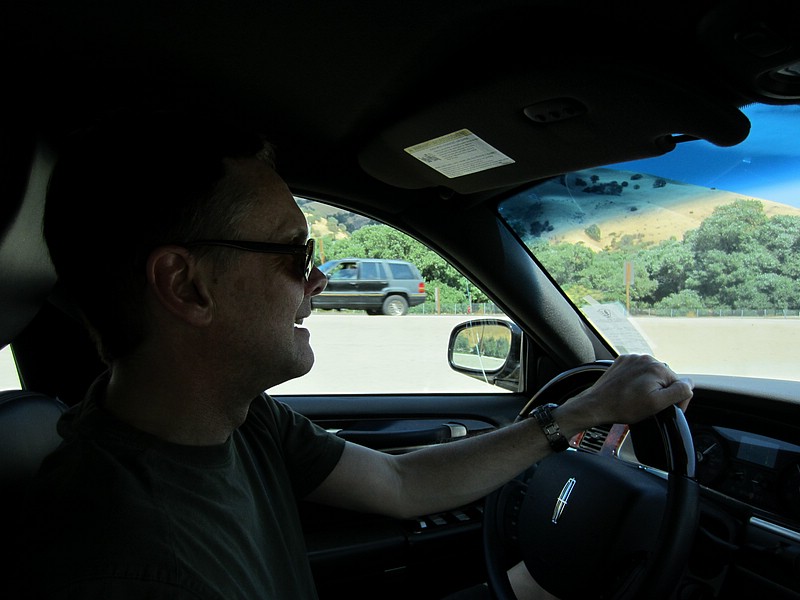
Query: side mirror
x=488, y=350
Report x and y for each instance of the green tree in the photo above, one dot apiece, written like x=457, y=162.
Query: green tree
x=448, y=295
x=685, y=299
x=564, y=261
x=781, y=237
x=730, y=228
x=667, y=266
x=744, y=259
x=593, y=231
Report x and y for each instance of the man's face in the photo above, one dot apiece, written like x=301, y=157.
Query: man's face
x=263, y=298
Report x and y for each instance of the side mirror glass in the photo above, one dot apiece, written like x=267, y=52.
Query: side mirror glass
x=488, y=350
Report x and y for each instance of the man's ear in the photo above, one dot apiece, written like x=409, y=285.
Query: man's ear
x=178, y=285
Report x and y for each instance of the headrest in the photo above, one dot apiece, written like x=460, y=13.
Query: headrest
x=27, y=274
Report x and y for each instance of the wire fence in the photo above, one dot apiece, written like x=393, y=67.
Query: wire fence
x=475, y=308
x=715, y=312
x=489, y=308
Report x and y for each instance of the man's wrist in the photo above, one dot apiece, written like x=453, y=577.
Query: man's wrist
x=543, y=415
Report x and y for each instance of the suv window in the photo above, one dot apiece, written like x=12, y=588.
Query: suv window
x=372, y=270
x=402, y=271
x=379, y=354
x=344, y=270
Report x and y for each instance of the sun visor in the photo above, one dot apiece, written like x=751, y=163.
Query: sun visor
x=521, y=129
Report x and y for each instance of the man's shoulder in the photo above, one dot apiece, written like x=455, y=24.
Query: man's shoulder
x=265, y=408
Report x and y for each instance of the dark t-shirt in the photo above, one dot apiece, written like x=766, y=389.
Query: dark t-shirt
x=118, y=513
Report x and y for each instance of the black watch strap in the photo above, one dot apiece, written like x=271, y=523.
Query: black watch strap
x=549, y=427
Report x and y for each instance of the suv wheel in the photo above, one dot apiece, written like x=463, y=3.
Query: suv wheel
x=395, y=306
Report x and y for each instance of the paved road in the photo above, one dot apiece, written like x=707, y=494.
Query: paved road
x=409, y=354
x=403, y=354
x=418, y=345
x=734, y=342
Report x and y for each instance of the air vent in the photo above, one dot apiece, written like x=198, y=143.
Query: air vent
x=593, y=439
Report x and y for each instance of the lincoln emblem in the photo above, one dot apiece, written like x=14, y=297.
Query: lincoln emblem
x=563, y=497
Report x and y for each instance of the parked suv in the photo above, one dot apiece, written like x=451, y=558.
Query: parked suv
x=375, y=285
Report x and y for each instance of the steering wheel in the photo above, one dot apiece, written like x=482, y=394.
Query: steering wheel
x=589, y=524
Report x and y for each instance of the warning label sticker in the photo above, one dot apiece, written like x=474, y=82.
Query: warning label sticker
x=459, y=153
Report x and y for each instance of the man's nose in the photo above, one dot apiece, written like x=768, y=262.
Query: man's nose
x=316, y=282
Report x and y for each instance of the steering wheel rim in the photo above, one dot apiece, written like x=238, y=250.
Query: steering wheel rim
x=621, y=522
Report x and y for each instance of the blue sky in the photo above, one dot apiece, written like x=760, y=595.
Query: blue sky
x=766, y=165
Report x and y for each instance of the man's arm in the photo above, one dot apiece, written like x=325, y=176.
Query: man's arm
x=448, y=475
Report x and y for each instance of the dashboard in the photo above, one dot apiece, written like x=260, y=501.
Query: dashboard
x=761, y=471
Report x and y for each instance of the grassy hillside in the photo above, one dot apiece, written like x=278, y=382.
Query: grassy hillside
x=651, y=209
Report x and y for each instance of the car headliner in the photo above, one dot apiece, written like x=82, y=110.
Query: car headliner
x=343, y=87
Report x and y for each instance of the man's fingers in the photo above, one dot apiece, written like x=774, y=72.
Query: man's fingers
x=680, y=392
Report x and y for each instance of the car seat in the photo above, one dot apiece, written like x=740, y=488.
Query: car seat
x=27, y=432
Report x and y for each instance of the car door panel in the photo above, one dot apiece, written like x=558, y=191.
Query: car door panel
x=389, y=557
x=340, y=291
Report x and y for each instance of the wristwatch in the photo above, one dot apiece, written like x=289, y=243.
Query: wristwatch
x=549, y=427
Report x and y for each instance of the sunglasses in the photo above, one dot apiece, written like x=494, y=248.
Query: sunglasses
x=305, y=250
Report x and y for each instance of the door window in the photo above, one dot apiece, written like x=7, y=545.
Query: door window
x=386, y=354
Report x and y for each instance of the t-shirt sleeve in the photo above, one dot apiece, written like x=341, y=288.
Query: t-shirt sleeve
x=309, y=452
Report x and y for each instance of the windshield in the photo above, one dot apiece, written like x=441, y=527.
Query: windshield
x=693, y=256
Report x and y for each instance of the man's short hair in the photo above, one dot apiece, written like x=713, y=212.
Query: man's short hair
x=132, y=182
